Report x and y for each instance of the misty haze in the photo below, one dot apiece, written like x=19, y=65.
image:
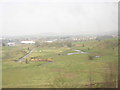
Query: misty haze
x=36, y=18
x=48, y=44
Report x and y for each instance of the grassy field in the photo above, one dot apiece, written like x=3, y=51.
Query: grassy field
x=66, y=71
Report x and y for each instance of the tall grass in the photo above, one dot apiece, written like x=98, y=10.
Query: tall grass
x=62, y=82
x=110, y=76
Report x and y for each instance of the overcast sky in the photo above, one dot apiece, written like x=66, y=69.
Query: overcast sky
x=28, y=17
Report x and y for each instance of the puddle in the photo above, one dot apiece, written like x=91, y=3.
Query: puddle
x=72, y=53
x=96, y=56
x=77, y=52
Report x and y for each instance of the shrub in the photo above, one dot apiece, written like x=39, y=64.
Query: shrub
x=90, y=57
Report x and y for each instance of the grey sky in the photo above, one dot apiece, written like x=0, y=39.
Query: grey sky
x=24, y=18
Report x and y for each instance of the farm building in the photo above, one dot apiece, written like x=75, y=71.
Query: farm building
x=27, y=42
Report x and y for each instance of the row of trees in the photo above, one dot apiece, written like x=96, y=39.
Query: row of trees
x=54, y=44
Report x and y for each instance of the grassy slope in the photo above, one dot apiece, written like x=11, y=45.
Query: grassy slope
x=65, y=69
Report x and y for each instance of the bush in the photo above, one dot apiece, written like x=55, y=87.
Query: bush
x=90, y=57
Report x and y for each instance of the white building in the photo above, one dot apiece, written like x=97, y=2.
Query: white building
x=11, y=44
x=27, y=42
x=49, y=41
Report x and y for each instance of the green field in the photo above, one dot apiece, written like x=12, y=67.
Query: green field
x=66, y=71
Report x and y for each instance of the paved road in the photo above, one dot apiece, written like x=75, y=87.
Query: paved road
x=20, y=59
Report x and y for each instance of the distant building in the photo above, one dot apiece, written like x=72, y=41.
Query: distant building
x=84, y=38
x=49, y=41
x=11, y=44
x=27, y=42
x=114, y=36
